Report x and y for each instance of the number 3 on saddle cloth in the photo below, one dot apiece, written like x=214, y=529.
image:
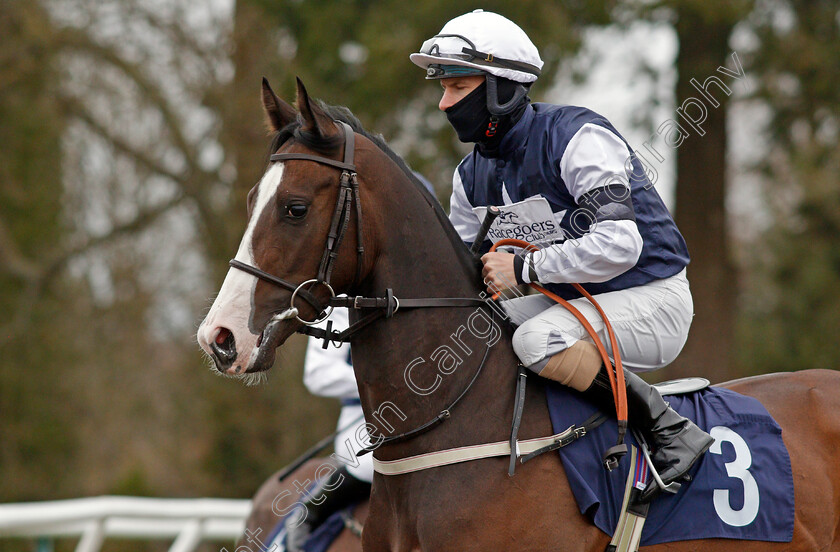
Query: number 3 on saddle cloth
x=742, y=488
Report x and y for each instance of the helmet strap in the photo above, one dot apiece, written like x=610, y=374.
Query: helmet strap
x=493, y=105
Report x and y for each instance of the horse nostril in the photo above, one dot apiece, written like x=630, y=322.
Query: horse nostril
x=224, y=347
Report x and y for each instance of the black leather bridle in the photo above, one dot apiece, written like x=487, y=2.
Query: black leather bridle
x=348, y=192
x=385, y=306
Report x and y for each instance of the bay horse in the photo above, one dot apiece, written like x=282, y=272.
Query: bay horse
x=275, y=498
x=394, y=240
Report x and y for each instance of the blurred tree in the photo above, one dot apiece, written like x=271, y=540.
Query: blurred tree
x=35, y=437
x=704, y=30
x=791, y=315
x=109, y=152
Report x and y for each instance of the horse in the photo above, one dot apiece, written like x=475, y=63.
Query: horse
x=275, y=499
x=376, y=235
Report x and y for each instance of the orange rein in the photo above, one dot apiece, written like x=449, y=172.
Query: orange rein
x=616, y=374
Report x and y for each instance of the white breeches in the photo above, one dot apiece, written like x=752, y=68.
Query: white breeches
x=352, y=440
x=650, y=323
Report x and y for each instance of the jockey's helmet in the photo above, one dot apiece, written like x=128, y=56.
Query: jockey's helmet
x=477, y=43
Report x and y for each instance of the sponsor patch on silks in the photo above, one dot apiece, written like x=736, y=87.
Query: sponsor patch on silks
x=742, y=488
x=530, y=220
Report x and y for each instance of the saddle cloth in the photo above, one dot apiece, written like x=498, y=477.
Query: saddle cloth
x=741, y=489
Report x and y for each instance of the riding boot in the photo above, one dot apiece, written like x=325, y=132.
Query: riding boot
x=676, y=442
x=325, y=498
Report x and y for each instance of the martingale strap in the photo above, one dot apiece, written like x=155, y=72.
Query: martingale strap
x=444, y=415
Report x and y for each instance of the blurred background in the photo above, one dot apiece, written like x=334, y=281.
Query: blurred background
x=132, y=130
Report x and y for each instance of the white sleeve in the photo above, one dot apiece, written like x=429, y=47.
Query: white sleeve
x=461, y=215
x=610, y=249
x=326, y=372
x=594, y=158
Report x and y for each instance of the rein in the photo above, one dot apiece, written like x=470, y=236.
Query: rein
x=615, y=373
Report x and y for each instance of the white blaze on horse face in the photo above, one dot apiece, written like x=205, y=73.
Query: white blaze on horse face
x=232, y=308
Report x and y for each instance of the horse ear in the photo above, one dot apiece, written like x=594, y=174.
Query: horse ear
x=314, y=118
x=278, y=113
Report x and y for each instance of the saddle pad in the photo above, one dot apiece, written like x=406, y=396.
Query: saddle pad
x=741, y=489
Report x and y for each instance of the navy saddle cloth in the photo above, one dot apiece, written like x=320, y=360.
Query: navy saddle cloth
x=741, y=489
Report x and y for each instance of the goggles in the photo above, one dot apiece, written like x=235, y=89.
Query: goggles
x=470, y=54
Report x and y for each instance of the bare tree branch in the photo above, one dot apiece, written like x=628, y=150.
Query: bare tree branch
x=140, y=222
x=73, y=39
x=75, y=109
x=192, y=184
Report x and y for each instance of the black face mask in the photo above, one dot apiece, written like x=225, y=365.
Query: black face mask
x=473, y=122
x=469, y=117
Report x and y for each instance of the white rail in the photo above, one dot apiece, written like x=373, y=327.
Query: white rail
x=189, y=521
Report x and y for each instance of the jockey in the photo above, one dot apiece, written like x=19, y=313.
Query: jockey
x=329, y=373
x=567, y=181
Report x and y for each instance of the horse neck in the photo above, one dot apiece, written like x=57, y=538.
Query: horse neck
x=442, y=347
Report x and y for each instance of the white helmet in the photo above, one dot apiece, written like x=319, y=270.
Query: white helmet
x=480, y=42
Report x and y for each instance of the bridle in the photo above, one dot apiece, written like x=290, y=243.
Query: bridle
x=348, y=192
x=385, y=306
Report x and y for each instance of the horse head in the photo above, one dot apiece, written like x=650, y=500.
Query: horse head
x=291, y=212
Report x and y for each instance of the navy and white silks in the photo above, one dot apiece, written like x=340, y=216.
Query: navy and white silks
x=561, y=176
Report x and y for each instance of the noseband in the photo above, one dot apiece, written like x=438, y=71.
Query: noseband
x=348, y=193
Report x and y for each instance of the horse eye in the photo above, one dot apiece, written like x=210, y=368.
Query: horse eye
x=296, y=211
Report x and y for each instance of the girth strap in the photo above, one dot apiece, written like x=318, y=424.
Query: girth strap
x=529, y=447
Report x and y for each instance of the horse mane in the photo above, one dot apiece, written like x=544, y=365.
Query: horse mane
x=328, y=144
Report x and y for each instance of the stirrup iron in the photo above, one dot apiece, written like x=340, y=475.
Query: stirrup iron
x=672, y=487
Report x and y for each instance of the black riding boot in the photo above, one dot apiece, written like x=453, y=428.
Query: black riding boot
x=349, y=491
x=676, y=443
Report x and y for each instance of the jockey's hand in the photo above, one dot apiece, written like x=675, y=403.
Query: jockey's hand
x=498, y=271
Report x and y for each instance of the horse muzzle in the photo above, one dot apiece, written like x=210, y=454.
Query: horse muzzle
x=278, y=329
